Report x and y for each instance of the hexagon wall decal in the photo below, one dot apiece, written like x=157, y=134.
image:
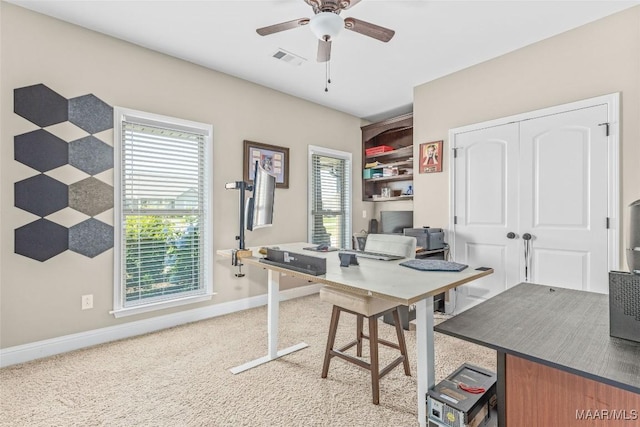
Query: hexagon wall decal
x=41, y=195
x=90, y=237
x=90, y=113
x=40, y=150
x=40, y=105
x=48, y=151
x=41, y=240
x=90, y=196
x=90, y=155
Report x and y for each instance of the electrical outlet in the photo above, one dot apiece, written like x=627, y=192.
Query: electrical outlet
x=87, y=302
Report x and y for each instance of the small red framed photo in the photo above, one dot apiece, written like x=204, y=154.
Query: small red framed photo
x=431, y=157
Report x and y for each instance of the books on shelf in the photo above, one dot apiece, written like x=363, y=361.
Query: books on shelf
x=372, y=165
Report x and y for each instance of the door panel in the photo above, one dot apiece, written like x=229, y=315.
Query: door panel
x=565, y=269
x=486, y=159
x=561, y=195
x=484, y=254
x=485, y=197
x=564, y=198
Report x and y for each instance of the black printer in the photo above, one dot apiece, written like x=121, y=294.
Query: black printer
x=427, y=238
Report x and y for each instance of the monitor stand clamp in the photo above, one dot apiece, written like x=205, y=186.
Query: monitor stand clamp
x=236, y=259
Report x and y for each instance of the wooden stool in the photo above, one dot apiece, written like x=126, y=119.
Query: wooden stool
x=371, y=308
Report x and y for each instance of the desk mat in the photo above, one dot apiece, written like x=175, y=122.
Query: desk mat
x=433, y=265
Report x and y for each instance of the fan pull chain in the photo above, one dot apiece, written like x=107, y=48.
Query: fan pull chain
x=327, y=73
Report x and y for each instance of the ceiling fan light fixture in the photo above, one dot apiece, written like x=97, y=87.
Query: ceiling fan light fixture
x=326, y=25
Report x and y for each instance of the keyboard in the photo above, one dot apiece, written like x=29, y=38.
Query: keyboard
x=371, y=255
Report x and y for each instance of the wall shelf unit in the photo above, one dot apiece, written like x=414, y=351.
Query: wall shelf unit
x=391, y=170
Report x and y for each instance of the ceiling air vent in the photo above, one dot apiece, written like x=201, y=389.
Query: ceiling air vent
x=288, y=57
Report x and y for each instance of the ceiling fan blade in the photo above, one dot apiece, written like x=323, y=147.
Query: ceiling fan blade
x=368, y=29
x=324, y=50
x=265, y=31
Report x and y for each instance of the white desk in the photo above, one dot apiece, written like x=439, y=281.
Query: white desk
x=381, y=279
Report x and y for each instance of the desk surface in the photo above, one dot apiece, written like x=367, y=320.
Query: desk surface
x=565, y=329
x=384, y=279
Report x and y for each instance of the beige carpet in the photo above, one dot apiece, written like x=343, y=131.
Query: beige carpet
x=180, y=377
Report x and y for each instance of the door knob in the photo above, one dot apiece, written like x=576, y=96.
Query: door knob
x=512, y=235
x=527, y=236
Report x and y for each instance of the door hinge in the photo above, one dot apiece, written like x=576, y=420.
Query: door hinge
x=608, y=222
x=455, y=152
x=455, y=219
x=606, y=128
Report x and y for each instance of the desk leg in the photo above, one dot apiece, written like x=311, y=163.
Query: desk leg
x=273, y=311
x=424, y=355
x=273, y=306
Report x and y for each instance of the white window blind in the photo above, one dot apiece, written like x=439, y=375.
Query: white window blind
x=330, y=192
x=163, y=212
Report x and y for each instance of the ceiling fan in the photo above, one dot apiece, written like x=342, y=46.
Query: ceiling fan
x=327, y=23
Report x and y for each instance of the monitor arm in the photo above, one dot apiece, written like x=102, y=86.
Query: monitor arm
x=241, y=251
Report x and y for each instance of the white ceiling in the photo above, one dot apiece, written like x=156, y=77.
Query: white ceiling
x=370, y=79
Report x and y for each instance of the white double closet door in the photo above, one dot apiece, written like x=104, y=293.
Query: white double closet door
x=531, y=201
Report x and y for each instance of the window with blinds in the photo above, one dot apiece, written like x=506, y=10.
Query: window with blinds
x=330, y=197
x=163, y=210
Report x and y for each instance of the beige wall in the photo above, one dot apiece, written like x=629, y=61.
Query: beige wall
x=41, y=300
x=596, y=59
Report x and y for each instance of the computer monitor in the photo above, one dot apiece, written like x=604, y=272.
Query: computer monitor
x=259, y=208
x=394, y=222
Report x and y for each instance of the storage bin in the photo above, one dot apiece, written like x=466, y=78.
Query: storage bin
x=378, y=150
x=371, y=173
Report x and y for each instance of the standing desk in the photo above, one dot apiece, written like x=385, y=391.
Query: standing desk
x=380, y=279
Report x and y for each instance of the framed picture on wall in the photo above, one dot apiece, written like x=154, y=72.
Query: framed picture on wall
x=431, y=157
x=272, y=158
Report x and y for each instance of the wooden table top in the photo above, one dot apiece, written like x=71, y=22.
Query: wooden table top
x=562, y=328
x=382, y=279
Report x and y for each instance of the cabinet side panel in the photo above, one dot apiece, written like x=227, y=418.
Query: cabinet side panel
x=538, y=395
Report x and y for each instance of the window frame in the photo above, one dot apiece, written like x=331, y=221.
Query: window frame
x=120, y=115
x=343, y=155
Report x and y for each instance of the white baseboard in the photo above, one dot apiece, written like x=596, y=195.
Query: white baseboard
x=36, y=350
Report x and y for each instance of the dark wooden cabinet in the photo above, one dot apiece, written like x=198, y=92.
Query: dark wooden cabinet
x=387, y=159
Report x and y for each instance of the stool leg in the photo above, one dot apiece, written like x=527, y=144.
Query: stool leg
x=373, y=349
x=333, y=327
x=359, y=322
x=401, y=342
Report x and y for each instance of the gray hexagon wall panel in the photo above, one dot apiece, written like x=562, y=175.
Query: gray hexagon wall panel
x=40, y=105
x=41, y=240
x=43, y=195
x=90, y=196
x=40, y=150
x=90, y=155
x=90, y=237
x=90, y=113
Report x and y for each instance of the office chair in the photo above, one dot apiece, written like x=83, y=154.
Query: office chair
x=372, y=308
